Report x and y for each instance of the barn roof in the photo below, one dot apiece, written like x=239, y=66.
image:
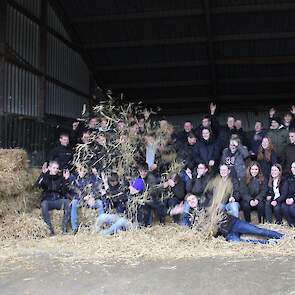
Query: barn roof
x=181, y=54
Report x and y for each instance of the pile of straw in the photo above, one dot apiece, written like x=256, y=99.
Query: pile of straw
x=158, y=243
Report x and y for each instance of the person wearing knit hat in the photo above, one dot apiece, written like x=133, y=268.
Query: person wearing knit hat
x=136, y=186
x=275, y=120
x=279, y=136
x=118, y=222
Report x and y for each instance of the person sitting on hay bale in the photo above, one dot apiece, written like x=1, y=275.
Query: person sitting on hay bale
x=83, y=191
x=117, y=222
x=55, y=188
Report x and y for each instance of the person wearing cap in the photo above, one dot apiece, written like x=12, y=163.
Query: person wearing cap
x=279, y=136
x=118, y=222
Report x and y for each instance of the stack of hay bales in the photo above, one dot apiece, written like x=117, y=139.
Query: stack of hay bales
x=18, y=199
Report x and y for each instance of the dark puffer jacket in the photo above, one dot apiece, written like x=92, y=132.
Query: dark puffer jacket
x=54, y=186
x=62, y=154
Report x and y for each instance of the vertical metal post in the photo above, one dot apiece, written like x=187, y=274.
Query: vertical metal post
x=42, y=58
x=3, y=21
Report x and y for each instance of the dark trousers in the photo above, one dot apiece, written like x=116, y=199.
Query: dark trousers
x=47, y=205
x=269, y=210
x=288, y=212
x=260, y=208
x=158, y=207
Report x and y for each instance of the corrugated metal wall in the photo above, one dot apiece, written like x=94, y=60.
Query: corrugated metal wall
x=63, y=64
x=33, y=6
x=54, y=22
x=21, y=91
x=22, y=36
x=66, y=65
x=52, y=84
x=61, y=102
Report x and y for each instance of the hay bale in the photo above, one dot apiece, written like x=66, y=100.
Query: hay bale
x=23, y=226
x=12, y=160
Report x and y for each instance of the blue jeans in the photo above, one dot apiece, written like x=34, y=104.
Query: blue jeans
x=74, y=211
x=243, y=227
x=116, y=223
x=231, y=208
x=185, y=216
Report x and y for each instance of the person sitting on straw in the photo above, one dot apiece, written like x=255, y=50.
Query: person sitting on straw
x=84, y=191
x=118, y=222
x=55, y=188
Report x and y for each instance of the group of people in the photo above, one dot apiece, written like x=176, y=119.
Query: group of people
x=176, y=174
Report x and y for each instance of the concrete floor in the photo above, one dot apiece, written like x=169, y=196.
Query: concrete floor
x=203, y=276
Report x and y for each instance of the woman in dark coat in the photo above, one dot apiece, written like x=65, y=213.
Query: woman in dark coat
x=253, y=192
x=206, y=149
x=288, y=206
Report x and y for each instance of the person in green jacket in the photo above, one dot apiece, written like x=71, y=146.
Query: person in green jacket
x=279, y=137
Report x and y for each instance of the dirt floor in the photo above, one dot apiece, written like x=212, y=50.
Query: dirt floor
x=41, y=274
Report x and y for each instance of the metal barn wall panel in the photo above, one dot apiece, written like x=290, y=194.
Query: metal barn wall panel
x=33, y=6
x=37, y=138
x=64, y=103
x=55, y=23
x=22, y=36
x=21, y=91
x=66, y=65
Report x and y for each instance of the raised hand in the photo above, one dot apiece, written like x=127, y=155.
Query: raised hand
x=212, y=108
x=292, y=109
x=75, y=125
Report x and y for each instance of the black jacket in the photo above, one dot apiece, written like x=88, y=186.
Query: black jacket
x=226, y=224
x=197, y=186
x=185, y=152
x=266, y=165
x=289, y=187
x=204, y=151
x=224, y=135
x=54, y=186
x=254, y=140
x=253, y=190
x=62, y=154
x=289, y=157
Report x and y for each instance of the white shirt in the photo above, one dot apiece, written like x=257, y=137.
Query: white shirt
x=276, y=189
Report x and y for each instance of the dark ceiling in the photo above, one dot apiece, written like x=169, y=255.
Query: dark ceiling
x=182, y=53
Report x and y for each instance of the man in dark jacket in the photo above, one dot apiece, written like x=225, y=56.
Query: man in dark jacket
x=55, y=188
x=185, y=152
x=182, y=135
x=289, y=156
x=254, y=139
x=62, y=153
x=226, y=132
